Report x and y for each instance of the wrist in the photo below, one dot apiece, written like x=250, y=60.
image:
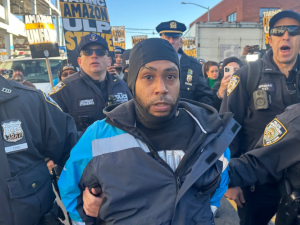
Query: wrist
x=218, y=95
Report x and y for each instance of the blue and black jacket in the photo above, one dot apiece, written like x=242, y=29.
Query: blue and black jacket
x=139, y=187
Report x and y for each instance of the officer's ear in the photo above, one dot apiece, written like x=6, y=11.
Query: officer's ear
x=270, y=40
x=79, y=61
x=109, y=60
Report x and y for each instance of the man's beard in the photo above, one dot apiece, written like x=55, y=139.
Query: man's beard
x=160, y=98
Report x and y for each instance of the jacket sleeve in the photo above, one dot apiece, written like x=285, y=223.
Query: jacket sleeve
x=216, y=198
x=217, y=102
x=203, y=92
x=236, y=101
x=58, y=129
x=70, y=185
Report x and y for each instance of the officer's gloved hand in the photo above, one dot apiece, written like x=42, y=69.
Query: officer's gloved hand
x=92, y=201
x=235, y=194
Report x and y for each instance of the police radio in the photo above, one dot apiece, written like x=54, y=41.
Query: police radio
x=261, y=100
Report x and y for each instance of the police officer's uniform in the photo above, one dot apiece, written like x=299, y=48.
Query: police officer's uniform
x=84, y=98
x=33, y=127
x=261, y=200
x=275, y=155
x=192, y=83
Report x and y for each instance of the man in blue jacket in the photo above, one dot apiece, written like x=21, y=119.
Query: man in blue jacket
x=158, y=160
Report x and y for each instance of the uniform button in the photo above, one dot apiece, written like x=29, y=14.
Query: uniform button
x=33, y=185
x=188, y=89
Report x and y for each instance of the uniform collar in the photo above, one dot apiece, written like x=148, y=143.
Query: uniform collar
x=7, y=91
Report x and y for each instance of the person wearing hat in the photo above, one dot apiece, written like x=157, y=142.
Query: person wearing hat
x=116, y=69
x=201, y=61
x=66, y=70
x=273, y=86
x=219, y=89
x=148, y=155
x=18, y=76
x=258, y=166
x=125, y=64
x=85, y=94
x=192, y=83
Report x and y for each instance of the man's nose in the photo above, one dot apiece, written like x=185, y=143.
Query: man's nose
x=160, y=87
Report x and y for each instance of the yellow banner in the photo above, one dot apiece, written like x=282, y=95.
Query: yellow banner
x=3, y=53
x=32, y=26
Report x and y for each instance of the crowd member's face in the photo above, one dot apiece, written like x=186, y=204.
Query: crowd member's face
x=286, y=47
x=18, y=75
x=157, y=87
x=213, y=72
x=67, y=73
x=235, y=65
x=94, y=64
x=118, y=63
x=176, y=42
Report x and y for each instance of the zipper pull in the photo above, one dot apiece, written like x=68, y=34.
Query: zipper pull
x=178, y=182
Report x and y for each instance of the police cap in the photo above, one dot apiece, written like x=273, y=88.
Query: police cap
x=171, y=28
x=92, y=39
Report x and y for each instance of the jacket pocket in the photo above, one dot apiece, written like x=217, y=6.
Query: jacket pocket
x=31, y=194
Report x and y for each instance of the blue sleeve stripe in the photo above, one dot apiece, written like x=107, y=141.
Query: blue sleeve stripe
x=80, y=156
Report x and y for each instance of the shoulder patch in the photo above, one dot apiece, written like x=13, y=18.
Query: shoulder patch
x=233, y=83
x=274, y=132
x=57, y=88
x=50, y=100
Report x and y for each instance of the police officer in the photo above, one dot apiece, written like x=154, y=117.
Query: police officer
x=192, y=84
x=85, y=94
x=255, y=102
x=279, y=143
x=33, y=127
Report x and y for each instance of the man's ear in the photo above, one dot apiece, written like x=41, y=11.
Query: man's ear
x=79, y=61
x=109, y=60
x=270, y=40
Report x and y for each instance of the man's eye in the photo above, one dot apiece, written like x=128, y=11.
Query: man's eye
x=148, y=77
x=170, y=77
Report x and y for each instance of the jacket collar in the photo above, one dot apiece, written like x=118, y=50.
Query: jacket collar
x=207, y=117
x=7, y=91
x=184, y=60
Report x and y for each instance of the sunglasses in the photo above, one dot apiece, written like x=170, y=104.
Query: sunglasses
x=279, y=31
x=99, y=52
x=67, y=73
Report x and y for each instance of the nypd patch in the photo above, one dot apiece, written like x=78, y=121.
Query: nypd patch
x=57, y=88
x=233, y=83
x=50, y=100
x=274, y=132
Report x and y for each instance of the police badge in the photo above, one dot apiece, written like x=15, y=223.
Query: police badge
x=274, y=132
x=12, y=131
x=189, y=77
x=173, y=25
x=93, y=37
x=233, y=83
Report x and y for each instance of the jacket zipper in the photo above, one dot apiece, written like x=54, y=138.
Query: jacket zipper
x=151, y=148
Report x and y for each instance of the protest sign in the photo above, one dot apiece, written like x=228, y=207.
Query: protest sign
x=189, y=46
x=118, y=34
x=137, y=39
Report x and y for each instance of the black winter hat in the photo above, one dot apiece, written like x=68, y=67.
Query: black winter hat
x=18, y=67
x=65, y=66
x=149, y=50
x=232, y=59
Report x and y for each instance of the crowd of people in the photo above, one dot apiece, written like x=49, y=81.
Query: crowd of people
x=158, y=137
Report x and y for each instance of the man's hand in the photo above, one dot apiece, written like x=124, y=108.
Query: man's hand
x=91, y=204
x=111, y=70
x=50, y=165
x=235, y=194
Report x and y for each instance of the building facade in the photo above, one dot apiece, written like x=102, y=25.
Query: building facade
x=13, y=37
x=246, y=10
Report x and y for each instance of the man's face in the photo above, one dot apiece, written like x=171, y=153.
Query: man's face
x=118, y=63
x=18, y=75
x=286, y=47
x=176, y=42
x=157, y=87
x=93, y=63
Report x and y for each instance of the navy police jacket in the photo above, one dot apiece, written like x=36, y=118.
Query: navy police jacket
x=253, y=121
x=193, y=86
x=33, y=128
x=276, y=152
x=79, y=96
x=139, y=187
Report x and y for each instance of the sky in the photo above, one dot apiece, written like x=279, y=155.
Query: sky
x=147, y=14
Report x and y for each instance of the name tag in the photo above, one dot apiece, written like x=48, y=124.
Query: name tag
x=266, y=87
x=16, y=148
x=86, y=102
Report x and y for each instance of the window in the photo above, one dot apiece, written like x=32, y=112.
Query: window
x=231, y=17
x=261, y=10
